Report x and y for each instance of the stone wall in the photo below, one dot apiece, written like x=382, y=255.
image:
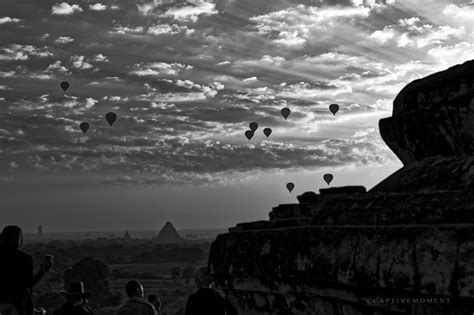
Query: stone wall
x=404, y=247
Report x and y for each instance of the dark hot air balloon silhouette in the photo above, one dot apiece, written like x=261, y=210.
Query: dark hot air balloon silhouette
x=111, y=118
x=84, y=127
x=328, y=178
x=290, y=186
x=64, y=85
x=253, y=126
x=334, y=108
x=249, y=134
x=267, y=132
x=285, y=112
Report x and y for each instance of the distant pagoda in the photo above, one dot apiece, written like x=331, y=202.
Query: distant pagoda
x=40, y=230
x=168, y=235
x=127, y=236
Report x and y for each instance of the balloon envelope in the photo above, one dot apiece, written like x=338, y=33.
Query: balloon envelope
x=84, y=127
x=253, y=126
x=328, y=178
x=285, y=112
x=64, y=85
x=290, y=186
x=111, y=118
x=334, y=108
x=249, y=134
x=267, y=132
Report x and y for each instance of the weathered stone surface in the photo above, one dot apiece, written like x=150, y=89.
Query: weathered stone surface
x=431, y=175
x=430, y=207
x=433, y=116
x=350, y=264
x=410, y=237
x=307, y=197
x=436, y=90
x=343, y=190
x=448, y=130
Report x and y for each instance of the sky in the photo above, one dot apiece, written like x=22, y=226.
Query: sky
x=185, y=79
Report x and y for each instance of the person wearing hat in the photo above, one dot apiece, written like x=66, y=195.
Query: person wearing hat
x=75, y=301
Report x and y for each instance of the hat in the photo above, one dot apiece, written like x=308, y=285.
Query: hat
x=76, y=289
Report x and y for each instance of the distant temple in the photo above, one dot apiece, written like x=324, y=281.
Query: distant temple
x=127, y=236
x=168, y=235
x=40, y=230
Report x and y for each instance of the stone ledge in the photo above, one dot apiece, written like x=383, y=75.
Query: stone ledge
x=435, y=207
x=420, y=259
x=343, y=190
x=446, y=131
x=436, y=89
x=274, y=224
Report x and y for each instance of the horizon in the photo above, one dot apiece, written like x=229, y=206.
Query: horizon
x=119, y=231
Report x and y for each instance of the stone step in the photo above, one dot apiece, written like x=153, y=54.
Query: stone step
x=384, y=209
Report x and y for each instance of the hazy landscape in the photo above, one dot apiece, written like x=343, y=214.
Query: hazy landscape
x=163, y=261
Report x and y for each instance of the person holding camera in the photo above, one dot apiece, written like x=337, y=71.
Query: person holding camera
x=136, y=303
x=16, y=272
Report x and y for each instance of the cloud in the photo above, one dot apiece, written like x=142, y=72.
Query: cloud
x=100, y=58
x=65, y=9
x=148, y=7
x=293, y=26
x=463, y=13
x=166, y=29
x=186, y=82
x=159, y=69
x=57, y=68
x=193, y=11
x=90, y=102
x=23, y=52
x=7, y=74
x=63, y=40
x=80, y=62
x=415, y=34
x=309, y=91
x=445, y=56
x=97, y=7
x=6, y=20
x=128, y=30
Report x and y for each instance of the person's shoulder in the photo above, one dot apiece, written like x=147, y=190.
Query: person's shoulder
x=81, y=310
x=193, y=296
x=23, y=255
x=142, y=303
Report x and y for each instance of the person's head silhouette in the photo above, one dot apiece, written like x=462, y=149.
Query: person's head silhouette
x=12, y=237
x=134, y=289
x=203, y=279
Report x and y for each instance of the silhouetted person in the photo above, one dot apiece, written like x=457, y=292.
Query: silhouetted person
x=136, y=303
x=76, y=301
x=16, y=271
x=205, y=300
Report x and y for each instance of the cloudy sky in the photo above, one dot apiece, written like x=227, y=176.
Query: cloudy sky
x=185, y=79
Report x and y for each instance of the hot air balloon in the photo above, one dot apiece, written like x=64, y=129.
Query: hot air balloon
x=64, y=85
x=249, y=134
x=253, y=126
x=328, y=178
x=111, y=118
x=267, y=132
x=84, y=127
x=334, y=108
x=290, y=186
x=285, y=112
